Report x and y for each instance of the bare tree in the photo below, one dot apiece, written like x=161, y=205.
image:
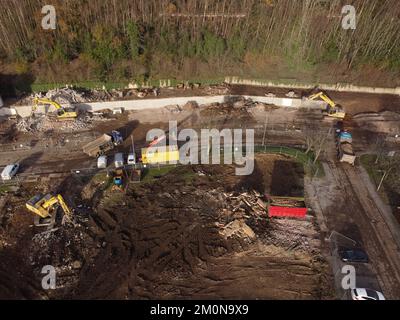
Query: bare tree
x=315, y=139
x=388, y=164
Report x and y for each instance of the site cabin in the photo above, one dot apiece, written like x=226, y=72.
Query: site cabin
x=288, y=207
x=160, y=155
x=345, y=153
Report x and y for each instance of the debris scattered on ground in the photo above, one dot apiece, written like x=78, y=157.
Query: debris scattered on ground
x=43, y=123
x=238, y=228
x=220, y=89
x=291, y=94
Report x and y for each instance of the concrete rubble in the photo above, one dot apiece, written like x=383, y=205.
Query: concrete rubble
x=43, y=123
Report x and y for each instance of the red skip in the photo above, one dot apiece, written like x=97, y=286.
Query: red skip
x=275, y=211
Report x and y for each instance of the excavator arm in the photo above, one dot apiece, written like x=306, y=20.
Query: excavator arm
x=64, y=206
x=61, y=113
x=324, y=97
x=334, y=110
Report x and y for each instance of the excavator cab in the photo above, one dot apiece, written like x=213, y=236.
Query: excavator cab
x=62, y=113
x=333, y=110
x=46, y=207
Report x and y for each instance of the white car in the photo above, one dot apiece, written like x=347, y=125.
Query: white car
x=131, y=159
x=9, y=171
x=366, y=294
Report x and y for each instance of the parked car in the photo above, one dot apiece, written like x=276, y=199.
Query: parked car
x=366, y=294
x=131, y=159
x=353, y=255
x=10, y=171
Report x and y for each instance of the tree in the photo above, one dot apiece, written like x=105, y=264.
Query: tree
x=132, y=31
x=315, y=139
x=388, y=164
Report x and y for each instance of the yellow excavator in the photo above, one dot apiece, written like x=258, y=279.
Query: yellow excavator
x=334, y=110
x=45, y=207
x=62, y=113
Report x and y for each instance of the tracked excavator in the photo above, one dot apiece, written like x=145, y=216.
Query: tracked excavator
x=45, y=207
x=333, y=110
x=62, y=113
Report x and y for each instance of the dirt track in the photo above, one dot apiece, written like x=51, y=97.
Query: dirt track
x=352, y=102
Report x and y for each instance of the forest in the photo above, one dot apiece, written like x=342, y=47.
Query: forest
x=148, y=39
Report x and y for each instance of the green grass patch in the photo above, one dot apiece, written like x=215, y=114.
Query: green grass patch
x=5, y=188
x=307, y=160
x=39, y=87
x=36, y=87
x=375, y=174
x=152, y=173
x=368, y=162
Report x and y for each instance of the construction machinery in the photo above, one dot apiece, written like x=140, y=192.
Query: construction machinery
x=104, y=143
x=62, y=113
x=334, y=110
x=45, y=207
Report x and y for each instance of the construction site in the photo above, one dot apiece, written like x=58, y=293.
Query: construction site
x=83, y=193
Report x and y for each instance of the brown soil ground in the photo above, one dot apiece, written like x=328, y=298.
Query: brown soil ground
x=165, y=239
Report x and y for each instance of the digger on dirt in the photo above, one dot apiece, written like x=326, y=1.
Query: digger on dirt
x=62, y=113
x=45, y=207
x=334, y=110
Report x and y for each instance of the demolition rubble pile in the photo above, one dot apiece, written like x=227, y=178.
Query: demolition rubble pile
x=43, y=124
x=245, y=216
x=214, y=90
x=71, y=95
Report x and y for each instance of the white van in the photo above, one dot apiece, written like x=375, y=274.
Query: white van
x=9, y=171
x=119, y=160
x=131, y=159
x=102, y=162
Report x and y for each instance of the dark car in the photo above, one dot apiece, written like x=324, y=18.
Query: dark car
x=353, y=255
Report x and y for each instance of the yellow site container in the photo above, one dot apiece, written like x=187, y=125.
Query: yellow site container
x=159, y=155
